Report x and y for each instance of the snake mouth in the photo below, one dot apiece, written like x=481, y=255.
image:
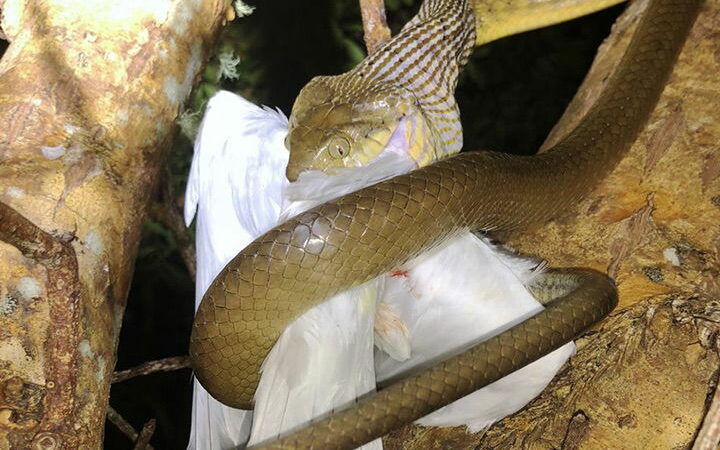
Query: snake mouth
x=314, y=187
x=414, y=139
x=398, y=151
x=303, y=155
x=410, y=136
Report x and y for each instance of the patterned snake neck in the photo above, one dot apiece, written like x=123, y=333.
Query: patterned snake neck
x=412, y=76
x=425, y=58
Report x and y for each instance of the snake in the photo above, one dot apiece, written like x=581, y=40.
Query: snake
x=404, y=90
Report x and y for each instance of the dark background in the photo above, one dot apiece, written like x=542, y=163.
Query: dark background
x=510, y=95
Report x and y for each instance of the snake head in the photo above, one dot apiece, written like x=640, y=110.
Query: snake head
x=335, y=125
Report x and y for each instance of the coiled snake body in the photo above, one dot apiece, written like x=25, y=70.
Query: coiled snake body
x=408, y=85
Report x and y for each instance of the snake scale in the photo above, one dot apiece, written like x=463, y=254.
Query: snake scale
x=410, y=81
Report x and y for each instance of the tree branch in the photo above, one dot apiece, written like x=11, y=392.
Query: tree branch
x=143, y=440
x=167, y=213
x=125, y=428
x=58, y=258
x=147, y=368
x=376, y=30
x=88, y=103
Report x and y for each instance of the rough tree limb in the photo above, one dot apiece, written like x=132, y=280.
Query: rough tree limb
x=143, y=440
x=89, y=92
x=644, y=378
x=159, y=365
x=167, y=212
x=375, y=28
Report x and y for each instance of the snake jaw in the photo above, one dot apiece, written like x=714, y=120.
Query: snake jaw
x=410, y=135
x=329, y=130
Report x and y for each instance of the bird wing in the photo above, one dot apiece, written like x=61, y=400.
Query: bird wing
x=232, y=200
x=322, y=360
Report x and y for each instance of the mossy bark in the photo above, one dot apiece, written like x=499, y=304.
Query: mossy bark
x=89, y=92
x=643, y=377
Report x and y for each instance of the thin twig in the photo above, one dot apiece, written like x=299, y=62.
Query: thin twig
x=374, y=22
x=143, y=440
x=124, y=426
x=709, y=436
x=167, y=213
x=159, y=365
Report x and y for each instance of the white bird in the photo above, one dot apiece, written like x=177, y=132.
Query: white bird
x=325, y=358
x=234, y=188
x=460, y=293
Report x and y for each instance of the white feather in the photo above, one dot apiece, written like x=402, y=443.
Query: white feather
x=322, y=360
x=391, y=333
x=314, y=187
x=461, y=293
x=237, y=167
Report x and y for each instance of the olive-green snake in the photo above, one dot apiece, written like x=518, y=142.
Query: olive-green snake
x=410, y=81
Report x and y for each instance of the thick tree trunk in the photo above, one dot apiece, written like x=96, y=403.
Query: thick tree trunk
x=89, y=91
x=643, y=378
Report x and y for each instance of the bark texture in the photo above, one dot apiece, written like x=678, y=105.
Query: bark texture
x=89, y=91
x=376, y=30
x=643, y=378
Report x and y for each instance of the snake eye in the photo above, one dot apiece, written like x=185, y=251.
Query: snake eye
x=338, y=147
